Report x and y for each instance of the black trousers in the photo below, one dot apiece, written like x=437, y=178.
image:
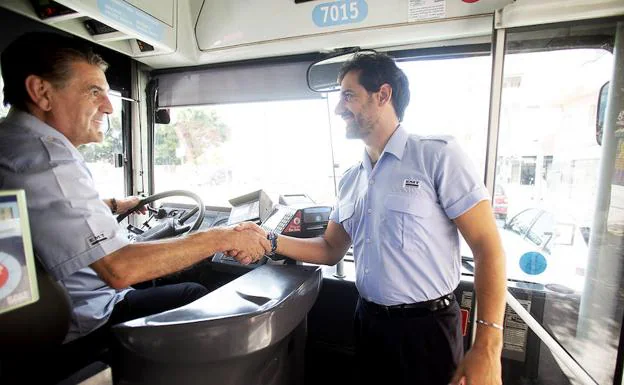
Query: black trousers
x=137, y=303
x=422, y=348
x=143, y=302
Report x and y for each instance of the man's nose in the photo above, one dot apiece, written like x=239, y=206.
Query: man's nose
x=106, y=106
x=339, y=108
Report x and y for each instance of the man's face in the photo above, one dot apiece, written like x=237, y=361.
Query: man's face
x=356, y=107
x=79, y=108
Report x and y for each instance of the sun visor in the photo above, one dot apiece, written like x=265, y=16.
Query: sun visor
x=235, y=84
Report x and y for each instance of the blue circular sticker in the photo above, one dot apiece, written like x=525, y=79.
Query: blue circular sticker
x=533, y=263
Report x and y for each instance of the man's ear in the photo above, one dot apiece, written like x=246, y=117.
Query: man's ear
x=38, y=90
x=385, y=93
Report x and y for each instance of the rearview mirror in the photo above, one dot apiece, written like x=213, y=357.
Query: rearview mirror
x=162, y=116
x=601, y=110
x=322, y=75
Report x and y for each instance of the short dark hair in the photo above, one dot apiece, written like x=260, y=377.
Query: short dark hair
x=45, y=54
x=376, y=69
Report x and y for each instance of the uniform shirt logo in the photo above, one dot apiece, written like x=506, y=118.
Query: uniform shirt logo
x=95, y=239
x=411, y=183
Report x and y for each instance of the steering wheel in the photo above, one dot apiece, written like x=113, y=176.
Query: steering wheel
x=165, y=226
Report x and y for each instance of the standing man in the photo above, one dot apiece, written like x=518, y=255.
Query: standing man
x=401, y=207
x=58, y=94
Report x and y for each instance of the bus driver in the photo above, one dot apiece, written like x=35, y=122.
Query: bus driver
x=58, y=94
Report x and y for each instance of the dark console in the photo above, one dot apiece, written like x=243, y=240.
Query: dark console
x=249, y=331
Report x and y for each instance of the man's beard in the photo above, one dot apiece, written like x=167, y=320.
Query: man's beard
x=355, y=130
x=352, y=131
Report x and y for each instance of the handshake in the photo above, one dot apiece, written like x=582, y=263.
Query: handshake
x=247, y=242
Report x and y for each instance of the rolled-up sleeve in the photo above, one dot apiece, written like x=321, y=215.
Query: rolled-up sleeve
x=458, y=185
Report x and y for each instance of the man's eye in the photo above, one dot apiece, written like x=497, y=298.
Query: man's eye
x=95, y=93
x=348, y=97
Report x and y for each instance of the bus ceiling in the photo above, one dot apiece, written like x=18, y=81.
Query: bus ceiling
x=180, y=33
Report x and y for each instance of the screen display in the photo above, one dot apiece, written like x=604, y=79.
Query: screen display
x=316, y=214
x=296, y=199
x=245, y=212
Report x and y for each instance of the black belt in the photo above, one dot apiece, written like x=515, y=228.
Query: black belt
x=409, y=309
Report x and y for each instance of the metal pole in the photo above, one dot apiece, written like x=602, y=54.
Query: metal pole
x=602, y=279
x=340, y=265
x=499, y=38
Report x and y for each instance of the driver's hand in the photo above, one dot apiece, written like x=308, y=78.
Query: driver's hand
x=125, y=204
x=251, y=227
x=248, y=244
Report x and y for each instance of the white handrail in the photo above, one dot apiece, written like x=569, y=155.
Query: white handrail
x=560, y=354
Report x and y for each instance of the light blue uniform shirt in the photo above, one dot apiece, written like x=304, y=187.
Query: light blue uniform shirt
x=399, y=217
x=71, y=227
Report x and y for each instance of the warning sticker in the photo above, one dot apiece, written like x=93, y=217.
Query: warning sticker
x=515, y=333
x=426, y=9
x=466, y=300
x=465, y=314
x=466, y=308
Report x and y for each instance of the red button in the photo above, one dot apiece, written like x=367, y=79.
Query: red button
x=4, y=275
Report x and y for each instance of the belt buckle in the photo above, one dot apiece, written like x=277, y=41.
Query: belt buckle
x=440, y=303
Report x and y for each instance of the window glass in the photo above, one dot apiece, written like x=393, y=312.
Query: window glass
x=225, y=151
x=548, y=163
x=100, y=157
x=521, y=223
x=3, y=109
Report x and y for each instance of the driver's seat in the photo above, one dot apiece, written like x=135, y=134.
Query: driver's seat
x=44, y=323
x=32, y=337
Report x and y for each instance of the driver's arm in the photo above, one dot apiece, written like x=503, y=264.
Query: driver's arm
x=139, y=262
x=121, y=206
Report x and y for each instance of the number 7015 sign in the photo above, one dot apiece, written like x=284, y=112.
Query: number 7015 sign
x=339, y=12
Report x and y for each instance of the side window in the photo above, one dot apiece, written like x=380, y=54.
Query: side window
x=521, y=223
x=542, y=230
x=100, y=157
x=550, y=165
x=3, y=109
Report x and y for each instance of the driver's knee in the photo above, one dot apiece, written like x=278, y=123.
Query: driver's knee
x=192, y=291
x=143, y=302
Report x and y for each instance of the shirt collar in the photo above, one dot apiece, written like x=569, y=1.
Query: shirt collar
x=31, y=122
x=395, y=146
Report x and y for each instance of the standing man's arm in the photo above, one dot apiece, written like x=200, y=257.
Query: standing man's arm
x=482, y=364
x=327, y=249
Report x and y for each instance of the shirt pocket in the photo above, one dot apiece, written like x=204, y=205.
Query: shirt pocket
x=404, y=215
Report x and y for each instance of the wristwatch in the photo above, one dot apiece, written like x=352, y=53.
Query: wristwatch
x=272, y=237
x=113, y=203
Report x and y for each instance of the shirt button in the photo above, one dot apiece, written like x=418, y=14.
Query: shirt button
x=371, y=182
x=368, y=240
x=366, y=271
x=369, y=211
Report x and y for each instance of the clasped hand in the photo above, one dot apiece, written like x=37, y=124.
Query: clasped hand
x=250, y=243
